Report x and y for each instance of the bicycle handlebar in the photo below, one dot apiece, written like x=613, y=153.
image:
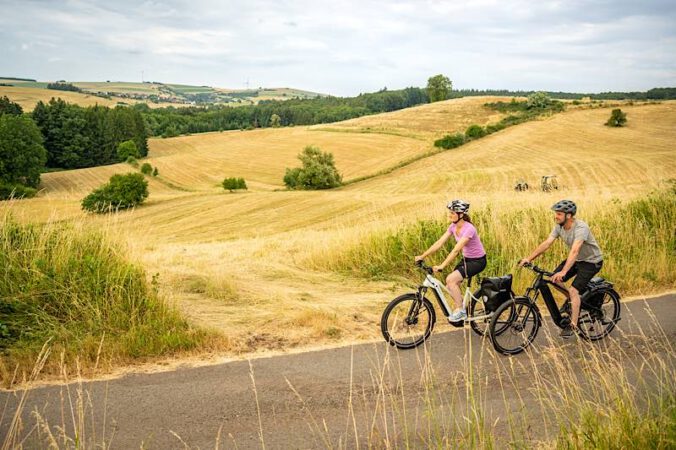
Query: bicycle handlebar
x=428, y=269
x=537, y=269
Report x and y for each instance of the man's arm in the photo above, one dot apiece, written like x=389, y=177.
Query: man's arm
x=538, y=251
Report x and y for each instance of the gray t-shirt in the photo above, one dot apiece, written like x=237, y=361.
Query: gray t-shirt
x=590, y=251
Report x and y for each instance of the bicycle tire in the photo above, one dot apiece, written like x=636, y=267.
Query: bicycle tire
x=425, y=307
x=589, y=317
x=510, y=321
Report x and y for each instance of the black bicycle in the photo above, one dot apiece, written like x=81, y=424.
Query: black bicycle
x=516, y=322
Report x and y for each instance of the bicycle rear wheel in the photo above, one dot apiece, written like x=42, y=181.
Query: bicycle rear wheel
x=514, y=326
x=407, y=321
x=597, y=322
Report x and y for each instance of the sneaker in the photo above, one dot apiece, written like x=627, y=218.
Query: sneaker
x=458, y=316
x=567, y=332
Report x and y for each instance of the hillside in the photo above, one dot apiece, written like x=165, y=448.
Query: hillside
x=249, y=264
x=154, y=94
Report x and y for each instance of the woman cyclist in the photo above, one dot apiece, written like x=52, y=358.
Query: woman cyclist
x=473, y=254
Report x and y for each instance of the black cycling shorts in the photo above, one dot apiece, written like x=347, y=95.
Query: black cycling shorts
x=468, y=267
x=582, y=271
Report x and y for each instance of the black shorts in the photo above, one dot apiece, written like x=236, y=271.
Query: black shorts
x=582, y=271
x=473, y=265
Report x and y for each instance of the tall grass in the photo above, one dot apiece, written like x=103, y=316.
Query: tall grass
x=75, y=289
x=637, y=238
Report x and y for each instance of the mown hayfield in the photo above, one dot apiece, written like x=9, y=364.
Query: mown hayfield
x=28, y=97
x=258, y=265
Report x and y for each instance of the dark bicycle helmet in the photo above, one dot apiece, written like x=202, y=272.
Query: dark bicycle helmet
x=458, y=206
x=565, y=206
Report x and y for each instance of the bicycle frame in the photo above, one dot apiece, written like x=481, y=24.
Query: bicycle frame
x=541, y=285
x=438, y=289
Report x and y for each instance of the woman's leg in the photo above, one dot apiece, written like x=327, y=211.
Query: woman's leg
x=453, y=282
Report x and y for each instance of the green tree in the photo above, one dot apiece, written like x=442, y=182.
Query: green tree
x=318, y=171
x=9, y=107
x=146, y=169
x=438, y=88
x=22, y=156
x=127, y=149
x=232, y=184
x=538, y=100
x=122, y=191
x=275, y=121
x=617, y=118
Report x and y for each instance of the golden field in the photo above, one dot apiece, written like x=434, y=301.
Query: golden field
x=249, y=264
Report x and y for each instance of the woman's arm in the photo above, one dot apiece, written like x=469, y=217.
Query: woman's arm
x=456, y=250
x=434, y=247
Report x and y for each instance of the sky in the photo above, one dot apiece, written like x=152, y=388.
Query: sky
x=345, y=47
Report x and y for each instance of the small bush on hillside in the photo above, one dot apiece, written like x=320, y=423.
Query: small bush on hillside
x=121, y=192
x=475, y=132
x=450, y=141
x=146, y=169
x=170, y=131
x=494, y=127
x=318, y=171
x=617, y=118
x=538, y=100
x=275, y=121
x=127, y=149
x=132, y=161
x=232, y=184
x=156, y=172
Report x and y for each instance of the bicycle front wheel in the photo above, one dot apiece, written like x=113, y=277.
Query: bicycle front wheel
x=514, y=326
x=407, y=321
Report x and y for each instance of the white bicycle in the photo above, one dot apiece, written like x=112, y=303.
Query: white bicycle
x=408, y=320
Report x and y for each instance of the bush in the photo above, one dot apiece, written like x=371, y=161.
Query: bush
x=121, y=192
x=318, y=171
x=538, y=100
x=275, y=121
x=146, y=169
x=475, y=132
x=450, y=141
x=156, y=172
x=8, y=190
x=132, y=161
x=127, y=149
x=232, y=184
x=492, y=128
x=617, y=118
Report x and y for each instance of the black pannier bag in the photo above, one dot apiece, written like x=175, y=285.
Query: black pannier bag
x=497, y=291
x=596, y=289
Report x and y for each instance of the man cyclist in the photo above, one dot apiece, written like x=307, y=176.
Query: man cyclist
x=473, y=253
x=584, y=260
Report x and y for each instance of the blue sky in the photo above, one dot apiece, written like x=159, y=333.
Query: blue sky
x=345, y=47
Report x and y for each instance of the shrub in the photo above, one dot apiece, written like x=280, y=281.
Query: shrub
x=121, y=192
x=450, y=141
x=475, y=132
x=318, y=171
x=617, y=118
x=132, y=161
x=232, y=184
x=492, y=128
x=9, y=190
x=146, y=169
x=156, y=172
x=275, y=121
x=127, y=149
x=538, y=100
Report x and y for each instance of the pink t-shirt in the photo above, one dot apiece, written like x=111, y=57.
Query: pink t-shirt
x=473, y=248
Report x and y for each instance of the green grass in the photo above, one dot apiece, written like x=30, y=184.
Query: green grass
x=637, y=239
x=76, y=290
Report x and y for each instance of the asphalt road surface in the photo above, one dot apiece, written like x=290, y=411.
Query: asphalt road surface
x=328, y=398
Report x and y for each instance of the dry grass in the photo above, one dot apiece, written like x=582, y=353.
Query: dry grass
x=28, y=97
x=240, y=261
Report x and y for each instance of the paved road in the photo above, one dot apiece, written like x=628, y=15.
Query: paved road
x=187, y=407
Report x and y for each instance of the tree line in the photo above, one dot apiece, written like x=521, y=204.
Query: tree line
x=172, y=121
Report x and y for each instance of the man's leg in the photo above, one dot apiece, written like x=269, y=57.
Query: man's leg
x=453, y=282
x=585, y=272
x=575, y=302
